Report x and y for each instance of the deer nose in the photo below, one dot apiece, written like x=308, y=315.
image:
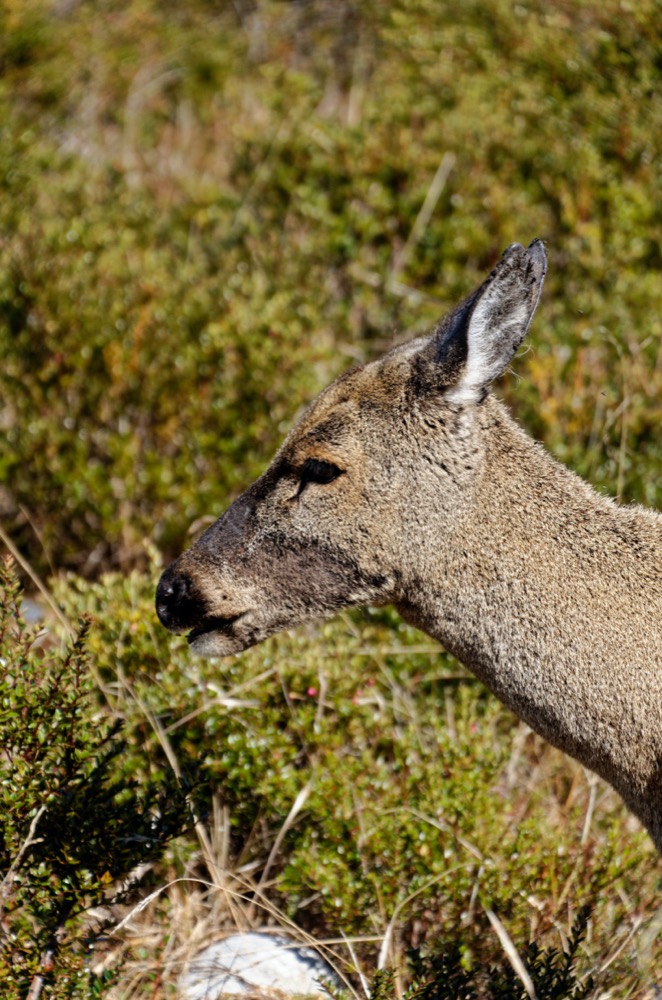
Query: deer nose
x=177, y=604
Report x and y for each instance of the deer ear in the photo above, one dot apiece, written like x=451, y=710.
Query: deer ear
x=477, y=342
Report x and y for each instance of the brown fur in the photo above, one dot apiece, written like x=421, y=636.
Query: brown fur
x=444, y=507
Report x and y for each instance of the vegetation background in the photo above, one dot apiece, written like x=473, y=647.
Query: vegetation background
x=207, y=211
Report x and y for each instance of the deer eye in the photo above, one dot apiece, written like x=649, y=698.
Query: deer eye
x=316, y=471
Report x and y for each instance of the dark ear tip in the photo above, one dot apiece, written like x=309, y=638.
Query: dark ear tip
x=515, y=249
x=536, y=248
x=538, y=257
x=534, y=257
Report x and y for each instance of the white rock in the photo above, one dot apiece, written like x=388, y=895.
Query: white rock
x=246, y=963
x=32, y=612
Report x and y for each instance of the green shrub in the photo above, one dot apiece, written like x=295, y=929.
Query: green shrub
x=202, y=220
x=74, y=828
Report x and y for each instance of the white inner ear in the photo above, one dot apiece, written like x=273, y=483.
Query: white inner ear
x=492, y=340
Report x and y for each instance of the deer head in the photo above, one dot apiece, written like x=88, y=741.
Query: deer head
x=382, y=462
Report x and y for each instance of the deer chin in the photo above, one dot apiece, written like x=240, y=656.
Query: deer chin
x=222, y=636
x=216, y=636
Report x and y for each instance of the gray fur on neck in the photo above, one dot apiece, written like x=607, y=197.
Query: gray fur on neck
x=552, y=595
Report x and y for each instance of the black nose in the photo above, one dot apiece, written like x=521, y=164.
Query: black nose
x=177, y=604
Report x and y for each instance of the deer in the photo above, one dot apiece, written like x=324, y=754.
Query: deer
x=407, y=482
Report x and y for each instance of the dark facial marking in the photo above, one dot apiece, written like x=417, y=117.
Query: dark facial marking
x=310, y=574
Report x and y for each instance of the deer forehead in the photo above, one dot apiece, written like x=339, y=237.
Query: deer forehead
x=351, y=413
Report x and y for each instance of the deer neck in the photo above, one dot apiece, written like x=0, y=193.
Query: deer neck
x=552, y=595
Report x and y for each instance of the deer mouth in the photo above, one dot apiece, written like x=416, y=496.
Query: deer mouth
x=213, y=626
